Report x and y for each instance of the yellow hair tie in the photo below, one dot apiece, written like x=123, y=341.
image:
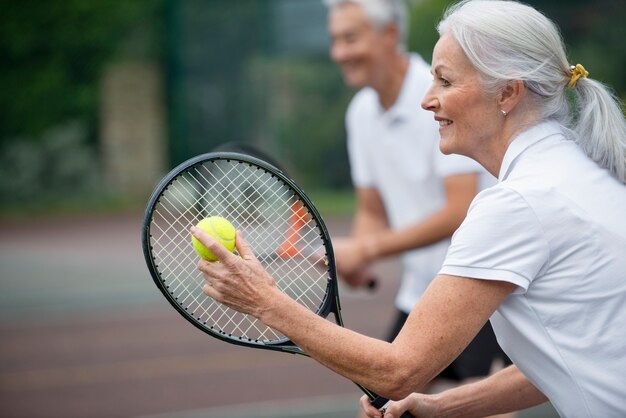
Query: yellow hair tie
x=577, y=72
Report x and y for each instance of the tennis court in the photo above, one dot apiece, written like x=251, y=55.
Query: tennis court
x=85, y=333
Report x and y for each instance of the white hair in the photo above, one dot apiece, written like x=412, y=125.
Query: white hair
x=381, y=13
x=507, y=40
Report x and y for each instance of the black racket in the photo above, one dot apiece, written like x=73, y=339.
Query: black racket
x=247, y=149
x=279, y=221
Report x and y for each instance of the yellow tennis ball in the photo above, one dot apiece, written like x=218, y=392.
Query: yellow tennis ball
x=220, y=229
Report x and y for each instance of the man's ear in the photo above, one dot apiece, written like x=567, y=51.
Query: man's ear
x=392, y=32
x=511, y=95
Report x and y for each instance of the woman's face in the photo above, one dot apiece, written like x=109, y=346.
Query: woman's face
x=469, y=120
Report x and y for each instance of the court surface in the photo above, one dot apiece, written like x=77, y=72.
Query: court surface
x=85, y=333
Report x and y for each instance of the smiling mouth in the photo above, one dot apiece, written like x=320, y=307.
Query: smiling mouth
x=445, y=122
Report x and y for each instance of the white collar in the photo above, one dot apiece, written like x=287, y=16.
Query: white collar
x=404, y=106
x=525, y=140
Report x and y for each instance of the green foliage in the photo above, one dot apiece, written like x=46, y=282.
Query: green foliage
x=425, y=15
x=333, y=202
x=594, y=33
x=51, y=55
x=310, y=132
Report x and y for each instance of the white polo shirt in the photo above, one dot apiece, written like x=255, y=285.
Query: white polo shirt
x=397, y=152
x=555, y=226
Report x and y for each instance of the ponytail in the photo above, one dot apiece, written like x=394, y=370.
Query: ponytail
x=601, y=127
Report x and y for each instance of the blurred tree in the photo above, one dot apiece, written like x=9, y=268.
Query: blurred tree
x=594, y=32
x=423, y=20
x=309, y=126
x=51, y=55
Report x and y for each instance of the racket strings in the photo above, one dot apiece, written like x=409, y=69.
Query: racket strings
x=260, y=205
x=250, y=197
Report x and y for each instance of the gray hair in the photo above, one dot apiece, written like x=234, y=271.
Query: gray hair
x=506, y=40
x=382, y=13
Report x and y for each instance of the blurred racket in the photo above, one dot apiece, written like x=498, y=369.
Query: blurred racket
x=263, y=203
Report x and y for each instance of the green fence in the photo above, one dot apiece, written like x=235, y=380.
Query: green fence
x=257, y=72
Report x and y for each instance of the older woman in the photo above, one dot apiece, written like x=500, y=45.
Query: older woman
x=541, y=254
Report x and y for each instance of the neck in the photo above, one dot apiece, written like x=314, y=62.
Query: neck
x=389, y=84
x=514, y=124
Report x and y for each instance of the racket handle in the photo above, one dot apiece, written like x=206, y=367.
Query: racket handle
x=379, y=403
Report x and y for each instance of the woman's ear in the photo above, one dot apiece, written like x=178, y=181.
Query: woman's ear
x=511, y=95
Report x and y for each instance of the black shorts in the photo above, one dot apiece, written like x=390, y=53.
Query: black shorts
x=474, y=361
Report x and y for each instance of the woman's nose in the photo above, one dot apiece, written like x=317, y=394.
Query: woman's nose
x=429, y=102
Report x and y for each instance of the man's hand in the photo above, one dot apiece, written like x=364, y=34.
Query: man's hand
x=352, y=257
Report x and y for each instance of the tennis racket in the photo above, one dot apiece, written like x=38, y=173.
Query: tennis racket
x=270, y=210
x=242, y=148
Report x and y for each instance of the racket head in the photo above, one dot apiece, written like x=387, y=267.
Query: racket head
x=270, y=210
x=252, y=151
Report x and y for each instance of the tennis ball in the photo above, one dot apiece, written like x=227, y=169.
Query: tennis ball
x=220, y=229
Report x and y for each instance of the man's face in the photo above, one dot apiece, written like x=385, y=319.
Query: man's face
x=356, y=46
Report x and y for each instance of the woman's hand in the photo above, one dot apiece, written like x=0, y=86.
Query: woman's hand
x=240, y=283
x=417, y=404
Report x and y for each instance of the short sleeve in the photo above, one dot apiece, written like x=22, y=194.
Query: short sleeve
x=500, y=239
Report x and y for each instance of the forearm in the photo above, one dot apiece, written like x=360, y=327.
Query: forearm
x=506, y=391
x=375, y=364
x=443, y=322
x=460, y=189
x=435, y=333
x=368, y=223
x=437, y=227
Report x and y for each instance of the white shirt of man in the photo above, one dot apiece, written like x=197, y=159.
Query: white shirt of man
x=555, y=226
x=397, y=152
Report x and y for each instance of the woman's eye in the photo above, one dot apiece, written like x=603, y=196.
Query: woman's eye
x=444, y=82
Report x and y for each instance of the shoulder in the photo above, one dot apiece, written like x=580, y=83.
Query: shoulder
x=502, y=214
x=361, y=112
x=501, y=239
x=419, y=69
x=416, y=82
x=500, y=200
x=363, y=103
x=418, y=64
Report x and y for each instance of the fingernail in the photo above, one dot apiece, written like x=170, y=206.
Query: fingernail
x=193, y=230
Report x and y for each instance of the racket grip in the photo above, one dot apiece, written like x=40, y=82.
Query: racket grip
x=379, y=403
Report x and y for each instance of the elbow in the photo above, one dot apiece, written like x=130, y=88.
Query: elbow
x=401, y=383
x=397, y=394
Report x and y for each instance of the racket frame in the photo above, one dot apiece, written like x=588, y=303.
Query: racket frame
x=330, y=303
